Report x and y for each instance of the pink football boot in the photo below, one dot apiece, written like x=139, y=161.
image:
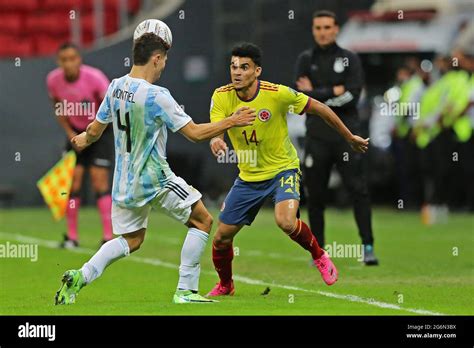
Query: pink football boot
x=221, y=290
x=327, y=269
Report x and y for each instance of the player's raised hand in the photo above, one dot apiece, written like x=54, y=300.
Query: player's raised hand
x=79, y=142
x=359, y=144
x=218, y=146
x=244, y=116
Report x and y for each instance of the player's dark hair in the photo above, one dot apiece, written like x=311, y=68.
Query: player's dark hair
x=145, y=46
x=248, y=50
x=66, y=45
x=326, y=13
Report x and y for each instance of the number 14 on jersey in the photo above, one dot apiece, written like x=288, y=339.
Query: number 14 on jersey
x=252, y=139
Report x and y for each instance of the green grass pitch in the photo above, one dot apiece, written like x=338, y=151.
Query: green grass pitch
x=423, y=270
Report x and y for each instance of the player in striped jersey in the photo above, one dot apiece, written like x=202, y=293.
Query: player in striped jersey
x=141, y=114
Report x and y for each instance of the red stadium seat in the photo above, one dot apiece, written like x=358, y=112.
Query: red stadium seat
x=37, y=27
x=11, y=24
x=87, y=39
x=133, y=5
x=47, y=45
x=19, y=5
x=53, y=23
x=61, y=4
x=110, y=21
x=14, y=47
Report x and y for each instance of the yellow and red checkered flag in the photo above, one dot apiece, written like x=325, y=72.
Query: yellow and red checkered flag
x=55, y=185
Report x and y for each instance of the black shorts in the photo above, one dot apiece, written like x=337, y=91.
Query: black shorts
x=100, y=153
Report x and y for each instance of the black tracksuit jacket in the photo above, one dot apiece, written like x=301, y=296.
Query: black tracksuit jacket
x=327, y=68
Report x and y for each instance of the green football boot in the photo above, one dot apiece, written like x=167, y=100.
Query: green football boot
x=73, y=282
x=187, y=296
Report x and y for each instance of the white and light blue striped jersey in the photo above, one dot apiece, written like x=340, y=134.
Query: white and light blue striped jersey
x=141, y=113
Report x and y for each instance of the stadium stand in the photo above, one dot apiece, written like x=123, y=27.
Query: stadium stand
x=36, y=27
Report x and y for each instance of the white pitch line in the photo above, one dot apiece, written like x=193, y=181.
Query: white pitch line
x=156, y=262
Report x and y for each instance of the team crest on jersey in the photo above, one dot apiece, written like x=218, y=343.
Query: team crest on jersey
x=264, y=115
x=339, y=65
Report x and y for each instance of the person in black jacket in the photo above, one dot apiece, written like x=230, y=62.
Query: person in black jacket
x=334, y=76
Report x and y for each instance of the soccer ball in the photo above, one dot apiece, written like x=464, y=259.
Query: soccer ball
x=154, y=26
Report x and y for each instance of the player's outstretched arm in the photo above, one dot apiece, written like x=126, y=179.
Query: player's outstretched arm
x=205, y=131
x=357, y=143
x=91, y=135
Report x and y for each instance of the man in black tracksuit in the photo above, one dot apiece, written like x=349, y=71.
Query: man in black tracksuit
x=333, y=76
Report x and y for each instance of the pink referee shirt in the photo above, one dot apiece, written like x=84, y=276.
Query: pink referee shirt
x=78, y=100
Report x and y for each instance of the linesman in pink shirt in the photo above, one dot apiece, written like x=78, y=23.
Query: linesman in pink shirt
x=77, y=90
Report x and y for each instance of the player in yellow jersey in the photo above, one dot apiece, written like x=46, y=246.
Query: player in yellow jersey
x=275, y=173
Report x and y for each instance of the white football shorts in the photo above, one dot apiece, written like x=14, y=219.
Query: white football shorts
x=174, y=199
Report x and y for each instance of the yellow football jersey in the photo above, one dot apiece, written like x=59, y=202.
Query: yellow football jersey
x=267, y=138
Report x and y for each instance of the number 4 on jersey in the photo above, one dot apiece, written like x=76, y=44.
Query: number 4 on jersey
x=125, y=128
